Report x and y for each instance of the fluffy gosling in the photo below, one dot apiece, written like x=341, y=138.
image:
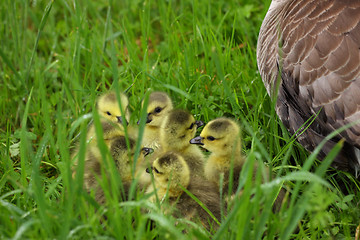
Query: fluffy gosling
x=111, y=118
x=123, y=159
x=178, y=128
x=172, y=176
x=158, y=107
x=221, y=137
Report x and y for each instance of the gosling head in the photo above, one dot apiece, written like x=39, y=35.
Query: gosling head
x=220, y=136
x=158, y=106
x=109, y=108
x=171, y=172
x=178, y=128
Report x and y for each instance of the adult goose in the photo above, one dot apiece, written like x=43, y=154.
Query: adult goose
x=308, y=54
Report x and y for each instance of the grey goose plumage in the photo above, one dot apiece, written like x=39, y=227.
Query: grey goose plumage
x=308, y=56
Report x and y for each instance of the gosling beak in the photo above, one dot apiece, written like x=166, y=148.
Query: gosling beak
x=120, y=120
x=147, y=151
x=148, y=119
x=197, y=140
x=199, y=123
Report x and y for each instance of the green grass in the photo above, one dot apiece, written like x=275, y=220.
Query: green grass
x=56, y=57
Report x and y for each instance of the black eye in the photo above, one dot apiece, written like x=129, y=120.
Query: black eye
x=158, y=109
x=210, y=138
x=155, y=170
x=191, y=126
x=108, y=113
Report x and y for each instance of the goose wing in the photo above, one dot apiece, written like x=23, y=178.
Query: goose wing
x=314, y=48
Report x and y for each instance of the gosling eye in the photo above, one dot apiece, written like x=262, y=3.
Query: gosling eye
x=191, y=126
x=155, y=170
x=158, y=109
x=210, y=138
x=108, y=113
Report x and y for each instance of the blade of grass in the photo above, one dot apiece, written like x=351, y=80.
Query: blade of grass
x=41, y=27
x=25, y=152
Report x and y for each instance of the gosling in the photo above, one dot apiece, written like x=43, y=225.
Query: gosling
x=222, y=138
x=158, y=107
x=123, y=158
x=112, y=120
x=178, y=128
x=172, y=176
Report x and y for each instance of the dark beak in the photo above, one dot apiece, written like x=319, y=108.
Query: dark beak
x=199, y=123
x=197, y=140
x=147, y=151
x=148, y=120
x=120, y=120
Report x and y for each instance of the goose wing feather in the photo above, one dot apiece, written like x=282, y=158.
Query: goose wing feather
x=313, y=48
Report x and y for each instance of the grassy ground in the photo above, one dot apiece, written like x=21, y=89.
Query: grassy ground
x=57, y=57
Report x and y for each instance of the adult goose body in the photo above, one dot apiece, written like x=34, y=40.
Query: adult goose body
x=308, y=55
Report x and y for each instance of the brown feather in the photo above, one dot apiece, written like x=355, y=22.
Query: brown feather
x=318, y=57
